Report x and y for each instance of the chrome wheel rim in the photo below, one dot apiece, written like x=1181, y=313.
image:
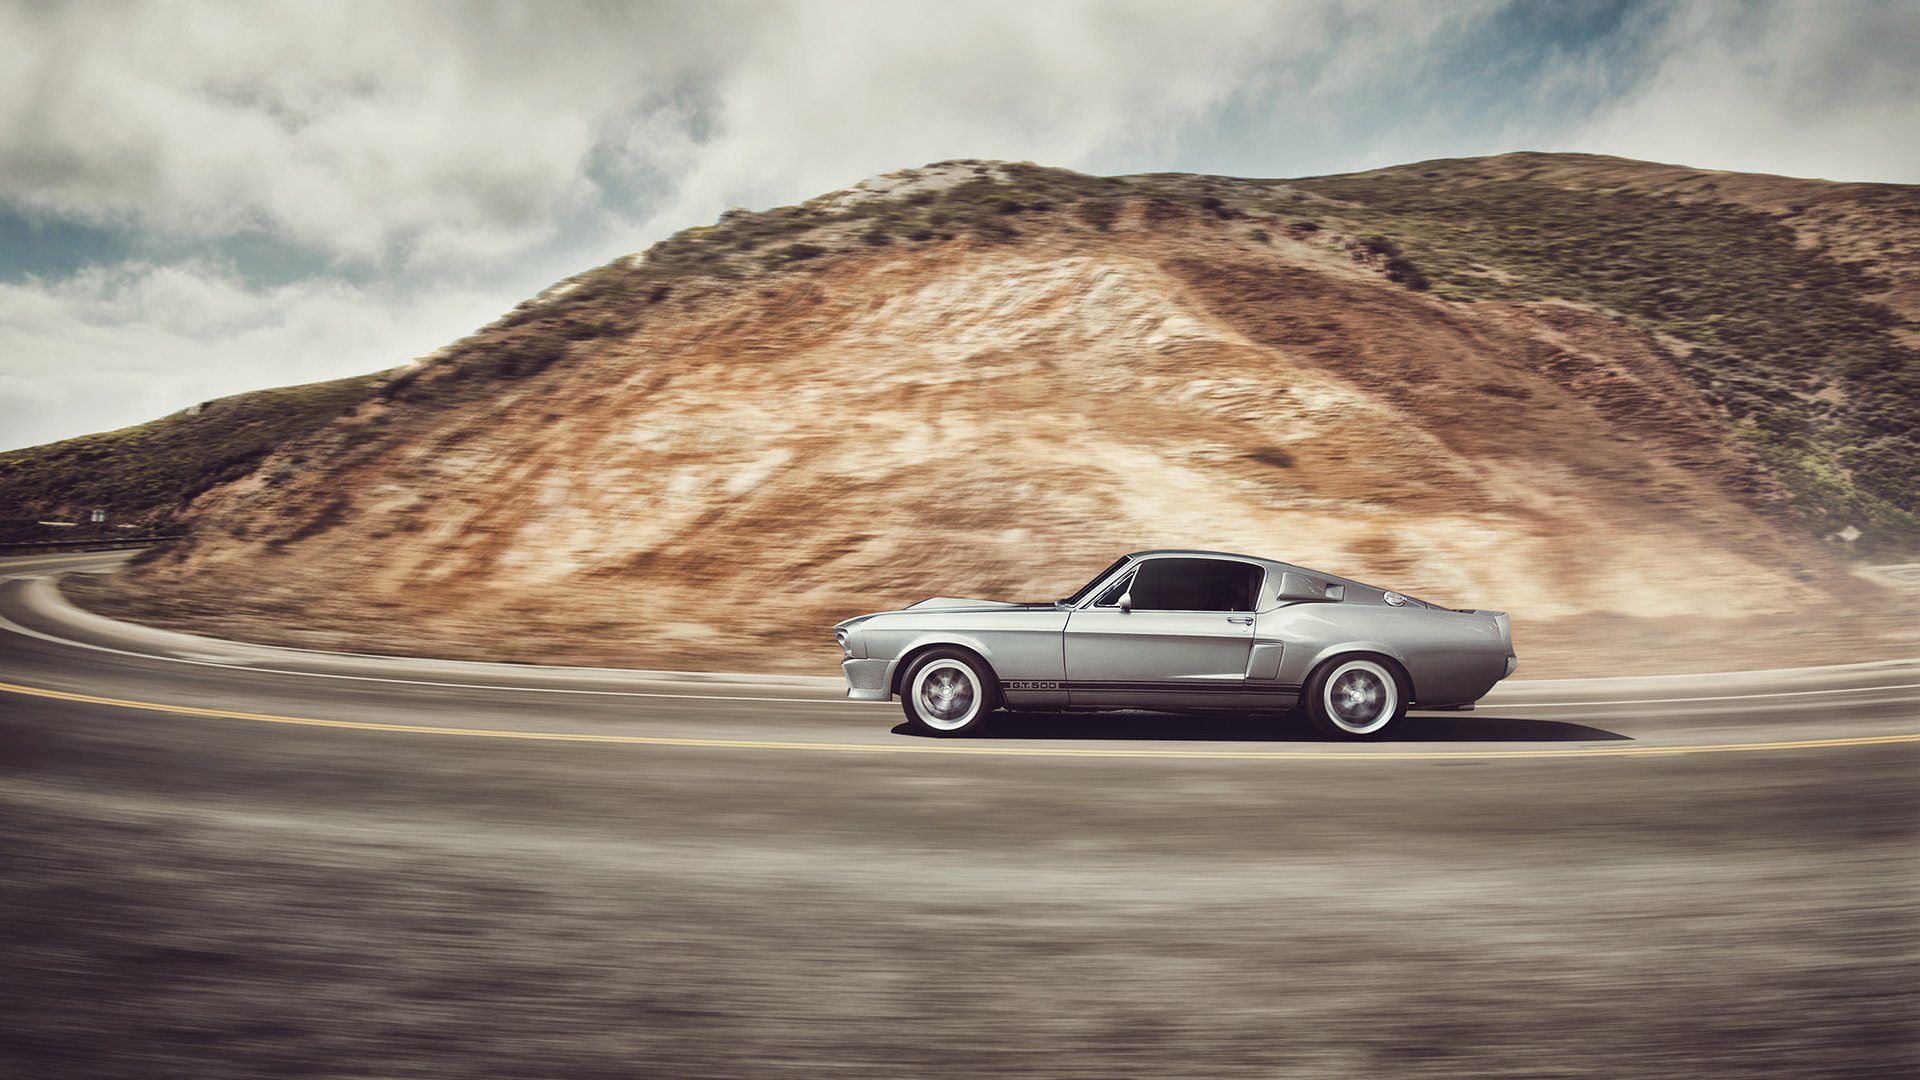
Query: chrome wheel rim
x=1360, y=697
x=946, y=694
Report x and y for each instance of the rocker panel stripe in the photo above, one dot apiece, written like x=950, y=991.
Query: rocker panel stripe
x=1253, y=686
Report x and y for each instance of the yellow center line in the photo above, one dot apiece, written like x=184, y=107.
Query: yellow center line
x=954, y=748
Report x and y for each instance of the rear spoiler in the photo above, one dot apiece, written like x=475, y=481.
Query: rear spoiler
x=1499, y=619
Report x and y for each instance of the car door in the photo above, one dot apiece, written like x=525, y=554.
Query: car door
x=1180, y=640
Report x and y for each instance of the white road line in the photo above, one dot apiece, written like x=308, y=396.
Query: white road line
x=1675, y=701
x=43, y=560
x=13, y=627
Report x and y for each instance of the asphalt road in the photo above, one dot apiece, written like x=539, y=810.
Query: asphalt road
x=227, y=861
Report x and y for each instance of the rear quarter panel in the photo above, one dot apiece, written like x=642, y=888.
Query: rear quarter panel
x=1452, y=657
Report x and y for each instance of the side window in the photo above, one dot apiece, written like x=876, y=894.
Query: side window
x=1195, y=585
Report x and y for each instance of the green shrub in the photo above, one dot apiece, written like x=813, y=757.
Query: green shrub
x=1380, y=245
x=1219, y=208
x=1159, y=210
x=1099, y=213
x=994, y=231
x=517, y=356
x=1404, y=272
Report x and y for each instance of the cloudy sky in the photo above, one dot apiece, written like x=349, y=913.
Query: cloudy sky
x=203, y=198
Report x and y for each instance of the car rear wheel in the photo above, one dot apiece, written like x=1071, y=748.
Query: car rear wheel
x=947, y=693
x=1355, y=698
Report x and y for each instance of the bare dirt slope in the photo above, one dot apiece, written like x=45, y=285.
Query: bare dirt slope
x=988, y=380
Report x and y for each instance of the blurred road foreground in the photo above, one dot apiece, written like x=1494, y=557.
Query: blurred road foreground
x=227, y=860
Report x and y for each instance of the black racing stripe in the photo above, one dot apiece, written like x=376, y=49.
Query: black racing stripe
x=1148, y=687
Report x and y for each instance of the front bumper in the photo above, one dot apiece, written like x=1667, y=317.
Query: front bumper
x=866, y=679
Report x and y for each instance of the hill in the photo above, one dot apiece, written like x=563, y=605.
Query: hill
x=144, y=475
x=1793, y=304
x=1614, y=398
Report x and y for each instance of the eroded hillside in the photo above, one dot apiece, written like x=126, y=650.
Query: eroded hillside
x=986, y=379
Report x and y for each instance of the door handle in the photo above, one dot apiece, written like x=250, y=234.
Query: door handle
x=1246, y=621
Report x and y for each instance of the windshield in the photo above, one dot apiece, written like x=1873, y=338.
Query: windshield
x=1097, y=579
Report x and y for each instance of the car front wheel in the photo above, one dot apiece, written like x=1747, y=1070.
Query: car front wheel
x=947, y=693
x=1355, y=698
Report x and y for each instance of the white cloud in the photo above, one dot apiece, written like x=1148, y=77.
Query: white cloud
x=367, y=132
x=423, y=136
x=113, y=346
x=429, y=164
x=829, y=95
x=1829, y=90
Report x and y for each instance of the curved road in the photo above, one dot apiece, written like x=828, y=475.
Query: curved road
x=230, y=860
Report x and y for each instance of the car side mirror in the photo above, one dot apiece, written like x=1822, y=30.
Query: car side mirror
x=1126, y=601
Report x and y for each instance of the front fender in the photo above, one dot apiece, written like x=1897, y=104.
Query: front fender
x=969, y=642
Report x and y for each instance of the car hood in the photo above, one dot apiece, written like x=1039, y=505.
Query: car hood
x=951, y=603
x=947, y=604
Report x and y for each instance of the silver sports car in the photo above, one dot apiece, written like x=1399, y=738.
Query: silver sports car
x=1179, y=630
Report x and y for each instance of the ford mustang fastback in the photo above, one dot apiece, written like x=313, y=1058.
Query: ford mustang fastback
x=1182, y=630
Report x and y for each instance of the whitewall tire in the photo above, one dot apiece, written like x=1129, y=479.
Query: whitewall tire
x=1356, y=697
x=947, y=693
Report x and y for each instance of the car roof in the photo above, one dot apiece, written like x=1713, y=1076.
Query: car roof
x=1271, y=564
x=1209, y=555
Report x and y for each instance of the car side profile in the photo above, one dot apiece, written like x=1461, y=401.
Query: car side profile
x=1176, y=631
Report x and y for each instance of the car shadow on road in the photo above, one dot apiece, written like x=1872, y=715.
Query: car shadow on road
x=1238, y=727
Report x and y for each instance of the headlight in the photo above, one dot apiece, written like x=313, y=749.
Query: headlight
x=851, y=641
